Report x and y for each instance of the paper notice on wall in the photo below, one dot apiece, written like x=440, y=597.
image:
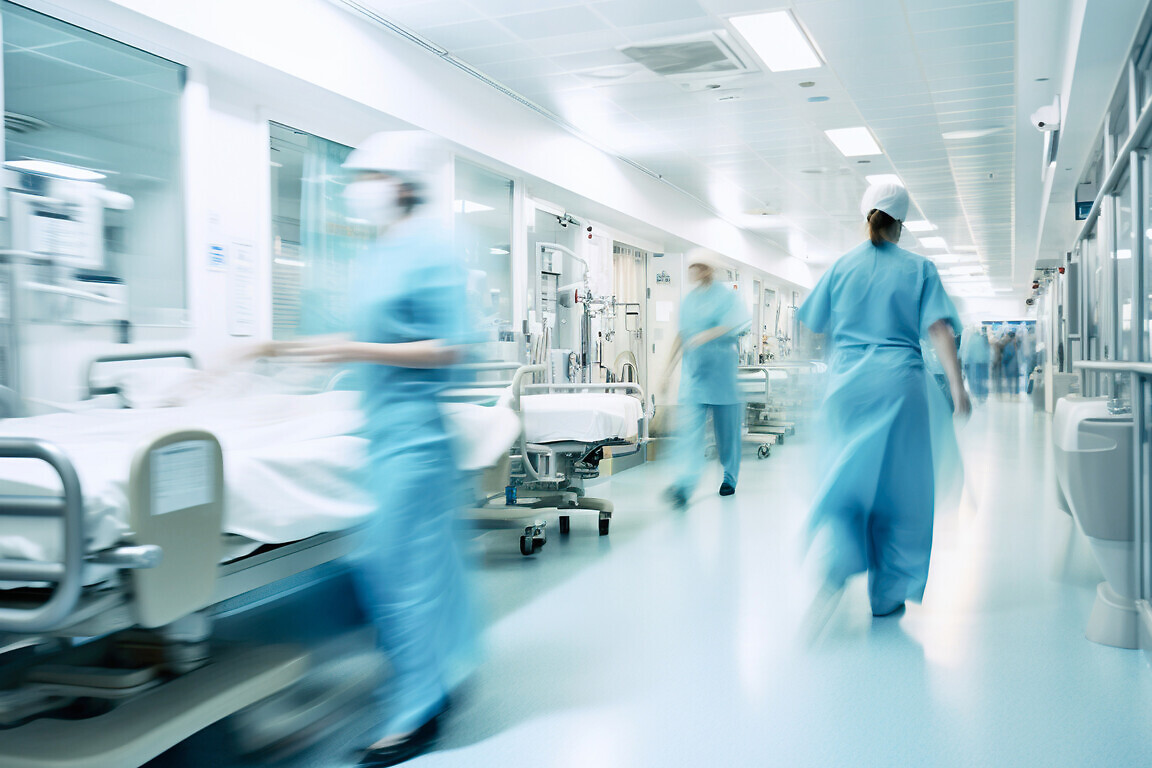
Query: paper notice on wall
x=663, y=311
x=182, y=476
x=242, y=290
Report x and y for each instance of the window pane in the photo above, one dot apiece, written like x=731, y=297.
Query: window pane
x=1125, y=240
x=105, y=117
x=483, y=231
x=312, y=244
x=1093, y=275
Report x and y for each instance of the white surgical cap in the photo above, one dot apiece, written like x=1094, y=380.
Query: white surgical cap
x=890, y=198
x=404, y=152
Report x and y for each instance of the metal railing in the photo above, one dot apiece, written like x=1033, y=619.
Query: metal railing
x=66, y=575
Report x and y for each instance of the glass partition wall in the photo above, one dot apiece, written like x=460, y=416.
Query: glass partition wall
x=1114, y=270
x=92, y=174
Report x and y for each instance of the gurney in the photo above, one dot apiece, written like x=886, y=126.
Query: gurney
x=137, y=555
x=567, y=430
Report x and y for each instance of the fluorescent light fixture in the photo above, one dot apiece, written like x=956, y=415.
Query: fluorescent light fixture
x=884, y=178
x=973, y=269
x=1123, y=253
x=497, y=251
x=289, y=262
x=778, y=40
x=919, y=225
x=853, y=142
x=275, y=164
x=59, y=170
x=467, y=206
x=933, y=242
x=973, y=133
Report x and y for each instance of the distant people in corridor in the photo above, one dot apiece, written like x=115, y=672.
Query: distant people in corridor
x=976, y=354
x=874, y=508
x=711, y=318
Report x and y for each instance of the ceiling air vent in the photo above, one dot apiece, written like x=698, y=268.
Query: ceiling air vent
x=23, y=123
x=708, y=56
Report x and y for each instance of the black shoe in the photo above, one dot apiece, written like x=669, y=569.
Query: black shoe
x=727, y=489
x=677, y=498
x=414, y=744
x=898, y=609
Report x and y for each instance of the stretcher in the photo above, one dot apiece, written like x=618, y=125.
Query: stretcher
x=120, y=533
x=566, y=431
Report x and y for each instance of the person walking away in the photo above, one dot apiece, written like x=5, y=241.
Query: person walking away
x=874, y=509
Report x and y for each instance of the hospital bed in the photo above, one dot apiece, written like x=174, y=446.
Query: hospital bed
x=567, y=429
x=112, y=528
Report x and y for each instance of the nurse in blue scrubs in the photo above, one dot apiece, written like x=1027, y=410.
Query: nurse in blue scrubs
x=874, y=508
x=711, y=319
x=409, y=298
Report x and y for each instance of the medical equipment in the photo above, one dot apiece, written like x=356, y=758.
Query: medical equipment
x=571, y=315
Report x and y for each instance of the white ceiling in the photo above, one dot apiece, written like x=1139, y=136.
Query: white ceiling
x=909, y=69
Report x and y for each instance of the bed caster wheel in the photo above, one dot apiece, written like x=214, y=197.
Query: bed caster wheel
x=527, y=545
x=565, y=524
x=604, y=527
x=764, y=451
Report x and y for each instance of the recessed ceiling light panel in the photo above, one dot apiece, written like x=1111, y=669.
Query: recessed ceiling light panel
x=778, y=40
x=919, y=225
x=853, y=142
x=58, y=170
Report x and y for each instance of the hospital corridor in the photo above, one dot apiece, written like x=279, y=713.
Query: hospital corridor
x=567, y=383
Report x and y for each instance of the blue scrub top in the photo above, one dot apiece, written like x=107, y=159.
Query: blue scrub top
x=408, y=286
x=709, y=371
x=879, y=296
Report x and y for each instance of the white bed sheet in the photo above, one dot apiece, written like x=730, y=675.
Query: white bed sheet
x=290, y=465
x=586, y=417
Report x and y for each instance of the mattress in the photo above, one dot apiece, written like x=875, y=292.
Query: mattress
x=586, y=417
x=292, y=465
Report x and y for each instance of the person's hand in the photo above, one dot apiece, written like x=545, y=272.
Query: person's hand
x=248, y=353
x=314, y=351
x=962, y=405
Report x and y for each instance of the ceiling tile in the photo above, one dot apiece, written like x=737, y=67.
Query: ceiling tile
x=632, y=13
x=469, y=34
x=555, y=23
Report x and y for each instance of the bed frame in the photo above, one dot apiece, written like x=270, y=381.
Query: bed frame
x=152, y=678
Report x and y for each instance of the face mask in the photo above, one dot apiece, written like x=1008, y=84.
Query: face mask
x=374, y=200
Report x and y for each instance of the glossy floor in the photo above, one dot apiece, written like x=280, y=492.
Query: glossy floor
x=681, y=646
x=676, y=641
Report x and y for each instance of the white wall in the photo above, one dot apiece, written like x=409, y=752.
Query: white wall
x=250, y=62
x=321, y=44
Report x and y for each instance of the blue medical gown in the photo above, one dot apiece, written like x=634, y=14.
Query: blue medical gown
x=409, y=287
x=708, y=373
x=875, y=502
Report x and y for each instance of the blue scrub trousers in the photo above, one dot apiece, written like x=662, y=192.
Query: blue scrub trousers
x=410, y=577
x=726, y=423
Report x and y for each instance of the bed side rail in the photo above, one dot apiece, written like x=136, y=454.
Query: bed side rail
x=91, y=380
x=66, y=576
x=520, y=387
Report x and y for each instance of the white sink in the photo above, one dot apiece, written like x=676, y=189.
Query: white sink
x=1093, y=451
